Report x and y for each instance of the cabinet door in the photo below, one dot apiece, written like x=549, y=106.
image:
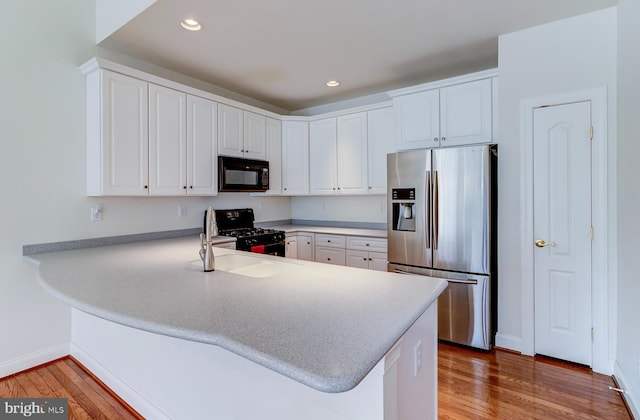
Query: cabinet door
x=359, y=259
x=291, y=247
x=254, y=136
x=122, y=148
x=202, y=162
x=305, y=247
x=330, y=255
x=167, y=141
x=378, y=261
x=295, y=158
x=418, y=120
x=230, y=131
x=352, y=154
x=274, y=155
x=322, y=156
x=465, y=113
x=380, y=133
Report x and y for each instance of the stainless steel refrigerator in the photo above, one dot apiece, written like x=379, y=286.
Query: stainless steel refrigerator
x=442, y=222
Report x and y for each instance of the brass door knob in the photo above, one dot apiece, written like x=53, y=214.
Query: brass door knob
x=541, y=243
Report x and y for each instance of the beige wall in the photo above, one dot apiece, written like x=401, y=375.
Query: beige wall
x=627, y=367
x=42, y=171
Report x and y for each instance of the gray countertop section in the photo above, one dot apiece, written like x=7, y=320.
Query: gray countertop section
x=323, y=325
x=374, y=233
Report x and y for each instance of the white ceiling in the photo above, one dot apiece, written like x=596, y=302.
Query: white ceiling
x=283, y=51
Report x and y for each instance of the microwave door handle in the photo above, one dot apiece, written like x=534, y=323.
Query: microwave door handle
x=427, y=210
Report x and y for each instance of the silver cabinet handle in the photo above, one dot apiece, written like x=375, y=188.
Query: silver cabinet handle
x=444, y=138
x=435, y=139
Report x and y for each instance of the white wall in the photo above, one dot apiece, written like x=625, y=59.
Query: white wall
x=365, y=209
x=628, y=358
x=564, y=56
x=42, y=172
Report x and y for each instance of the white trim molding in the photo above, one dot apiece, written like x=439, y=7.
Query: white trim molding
x=632, y=400
x=602, y=285
x=31, y=360
x=124, y=391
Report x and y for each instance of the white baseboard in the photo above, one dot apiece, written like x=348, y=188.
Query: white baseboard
x=631, y=396
x=509, y=342
x=124, y=391
x=33, y=359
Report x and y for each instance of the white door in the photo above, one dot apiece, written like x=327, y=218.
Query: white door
x=322, y=157
x=167, y=141
x=230, y=131
x=254, y=136
x=295, y=158
x=562, y=229
x=202, y=156
x=351, y=154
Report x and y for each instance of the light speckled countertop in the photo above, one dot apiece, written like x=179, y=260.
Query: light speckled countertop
x=323, y=325
x=374, y=233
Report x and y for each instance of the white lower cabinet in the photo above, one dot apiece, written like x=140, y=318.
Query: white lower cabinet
x=305, y=246
x=291, y=246
x=366, y=252
x=330, y=255
x=330, y=249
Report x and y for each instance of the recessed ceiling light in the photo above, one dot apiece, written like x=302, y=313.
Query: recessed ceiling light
x=191, y=25
x=333, y=83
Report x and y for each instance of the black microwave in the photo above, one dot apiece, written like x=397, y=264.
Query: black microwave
x=238, y=174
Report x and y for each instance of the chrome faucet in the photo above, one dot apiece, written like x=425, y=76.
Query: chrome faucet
x=206, y=250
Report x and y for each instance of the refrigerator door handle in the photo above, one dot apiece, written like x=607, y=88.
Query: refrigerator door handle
x=469, y=281
x=436, y=216
x=427, y=210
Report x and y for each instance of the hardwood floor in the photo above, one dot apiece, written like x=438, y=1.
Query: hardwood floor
x=504, y=385
x=65, y=378
x=471, y=385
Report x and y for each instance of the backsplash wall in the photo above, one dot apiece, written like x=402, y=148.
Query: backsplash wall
x=362, y=209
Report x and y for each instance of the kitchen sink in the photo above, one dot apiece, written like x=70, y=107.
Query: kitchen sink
x=249, y=265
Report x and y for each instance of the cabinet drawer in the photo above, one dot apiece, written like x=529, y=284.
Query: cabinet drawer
x=333, y=241
x=330, y=255
x=367, y=244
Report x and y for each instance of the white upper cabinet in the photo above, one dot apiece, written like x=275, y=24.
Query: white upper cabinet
x=274, y=155
x=241, y=133
x=181, y=143
x=322, y=156
x=352, y=154
x=418, y=117
x=202, y=156
x=465, y=113
x=450, y=116
x=381, y=134
x=295, y=158
x=117, y=134
x=254, y=136
x=167, y=141
x=338, y=155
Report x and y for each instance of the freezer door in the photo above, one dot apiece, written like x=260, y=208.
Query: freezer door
x=408, y=216
x=464, y=308
x=461, y=211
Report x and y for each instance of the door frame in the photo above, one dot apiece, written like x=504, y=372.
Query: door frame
x=602, y=288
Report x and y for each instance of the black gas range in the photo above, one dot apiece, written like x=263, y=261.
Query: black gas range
x=238, y=223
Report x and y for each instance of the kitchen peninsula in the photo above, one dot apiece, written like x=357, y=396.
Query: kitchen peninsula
x=358, y=344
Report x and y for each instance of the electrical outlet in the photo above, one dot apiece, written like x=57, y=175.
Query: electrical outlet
x=96, y=213
x=182, y=210
x=417, y=358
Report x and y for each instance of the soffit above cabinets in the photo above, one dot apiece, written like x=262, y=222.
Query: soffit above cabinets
x=283, y=53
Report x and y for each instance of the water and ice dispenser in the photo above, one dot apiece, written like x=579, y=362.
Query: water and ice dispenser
x=403, y=201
